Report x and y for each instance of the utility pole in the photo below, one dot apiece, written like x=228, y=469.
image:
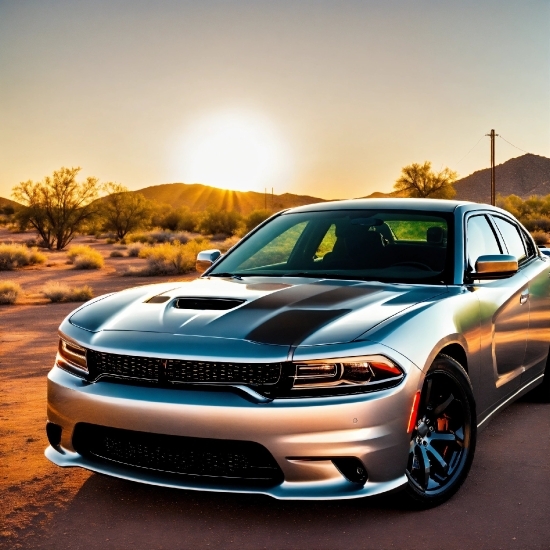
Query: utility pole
x=492, y=135
x=265, y=198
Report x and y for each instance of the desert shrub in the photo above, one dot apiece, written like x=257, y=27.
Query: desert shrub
x=540, y=237
x=155, y=237
x=9, y=291
x=85, y=257
x=17, y=255
x=134, y=249
x=220, y=221
x=116, y=254
x=180, y=219
x=172, y=258
x=110, y=241
x=61, y=292
x=255, y=218
x=225, y=245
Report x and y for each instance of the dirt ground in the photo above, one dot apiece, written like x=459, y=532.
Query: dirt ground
x=504, y=503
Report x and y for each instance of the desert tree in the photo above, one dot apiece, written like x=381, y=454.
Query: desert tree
x=58, y=206
x=420, y=181
x=124, y=211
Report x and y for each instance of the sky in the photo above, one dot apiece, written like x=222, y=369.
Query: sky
x=325, y=98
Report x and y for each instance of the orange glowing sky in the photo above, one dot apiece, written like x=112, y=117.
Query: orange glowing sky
x=327, y=98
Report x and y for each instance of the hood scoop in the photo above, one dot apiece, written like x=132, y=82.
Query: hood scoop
x=217, y=304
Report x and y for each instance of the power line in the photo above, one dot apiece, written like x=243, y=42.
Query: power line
x=518, y=148
x=470, y=150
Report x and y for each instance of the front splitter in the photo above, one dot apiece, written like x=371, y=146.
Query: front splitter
x=313, y=490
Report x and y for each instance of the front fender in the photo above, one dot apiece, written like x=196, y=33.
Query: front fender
x=420, y=333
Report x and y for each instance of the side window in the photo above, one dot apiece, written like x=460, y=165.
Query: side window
x=512, y=238
x=327, y=244
x=529, y=245
x=480, y=240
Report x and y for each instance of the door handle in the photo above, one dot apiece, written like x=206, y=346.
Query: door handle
x=523, y=297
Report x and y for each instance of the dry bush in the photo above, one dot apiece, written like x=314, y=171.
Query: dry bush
x=116, y=254
x=227, y=243
x=17, y=255
x=62, y=292
x=9, y=291
x=172, y=258
x=134, y=249
x=85, y=257
x=159, y=236
x=540, y=237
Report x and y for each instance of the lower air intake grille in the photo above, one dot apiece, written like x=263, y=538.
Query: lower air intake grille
x=180, y=371
x=191, y=456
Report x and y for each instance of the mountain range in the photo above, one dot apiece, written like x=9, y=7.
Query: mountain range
x=524, y=176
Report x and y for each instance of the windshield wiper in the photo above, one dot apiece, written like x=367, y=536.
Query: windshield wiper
x=314, y=275
x=231, y=275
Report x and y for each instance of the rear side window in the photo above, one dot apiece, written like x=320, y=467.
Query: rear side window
x=480, y=240
x=512, y=238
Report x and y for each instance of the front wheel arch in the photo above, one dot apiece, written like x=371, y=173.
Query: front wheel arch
x=444, y=435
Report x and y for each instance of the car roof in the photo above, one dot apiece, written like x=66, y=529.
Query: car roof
x=435, y=205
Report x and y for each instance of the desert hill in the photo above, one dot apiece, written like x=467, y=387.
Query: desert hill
x=198, y=197
x=8, y=202
x=523, y=176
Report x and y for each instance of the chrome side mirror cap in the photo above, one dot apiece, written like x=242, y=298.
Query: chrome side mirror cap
x=495, y=266
x=205, y=259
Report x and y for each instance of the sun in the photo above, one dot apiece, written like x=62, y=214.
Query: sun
x=234, y=150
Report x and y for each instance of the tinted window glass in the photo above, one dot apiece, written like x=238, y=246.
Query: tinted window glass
x=512, y=238
x=385, y=245
x=531, y=250
x=480, y=240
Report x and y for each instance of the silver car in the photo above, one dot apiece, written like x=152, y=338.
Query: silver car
x=340, y=350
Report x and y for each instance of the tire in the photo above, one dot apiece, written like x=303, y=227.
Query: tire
x=443, y=439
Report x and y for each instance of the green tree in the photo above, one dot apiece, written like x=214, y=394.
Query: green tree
x=220, y=222
x=420, y=181
x=124, y=211
x=255, y=218
x=181, y=219
x=58, y=206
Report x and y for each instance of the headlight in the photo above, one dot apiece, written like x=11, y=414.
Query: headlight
x=347, y=374
x=72, y=357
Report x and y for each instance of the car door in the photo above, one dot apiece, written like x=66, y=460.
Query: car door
x=504, y=316
x=537, y=271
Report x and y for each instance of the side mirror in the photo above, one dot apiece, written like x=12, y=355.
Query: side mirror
x=205, y=259
x=497, y=266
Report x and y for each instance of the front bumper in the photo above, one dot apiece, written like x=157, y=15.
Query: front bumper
x=302, y=434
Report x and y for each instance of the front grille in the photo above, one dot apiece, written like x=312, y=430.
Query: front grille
x=189, y=456
x=256, y=374
x=124, y=366
x=173, y=371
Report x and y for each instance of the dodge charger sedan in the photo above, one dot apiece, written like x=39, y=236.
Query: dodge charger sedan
x=339, y=350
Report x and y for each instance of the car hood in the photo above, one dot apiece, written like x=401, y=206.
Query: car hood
x=282, y=311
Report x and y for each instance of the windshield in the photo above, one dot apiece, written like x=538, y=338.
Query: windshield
x=382, y=245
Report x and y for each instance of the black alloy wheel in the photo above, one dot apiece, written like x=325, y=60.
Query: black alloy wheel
x=444, y=437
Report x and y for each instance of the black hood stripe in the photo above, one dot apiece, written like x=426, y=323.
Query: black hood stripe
x=293, y=326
